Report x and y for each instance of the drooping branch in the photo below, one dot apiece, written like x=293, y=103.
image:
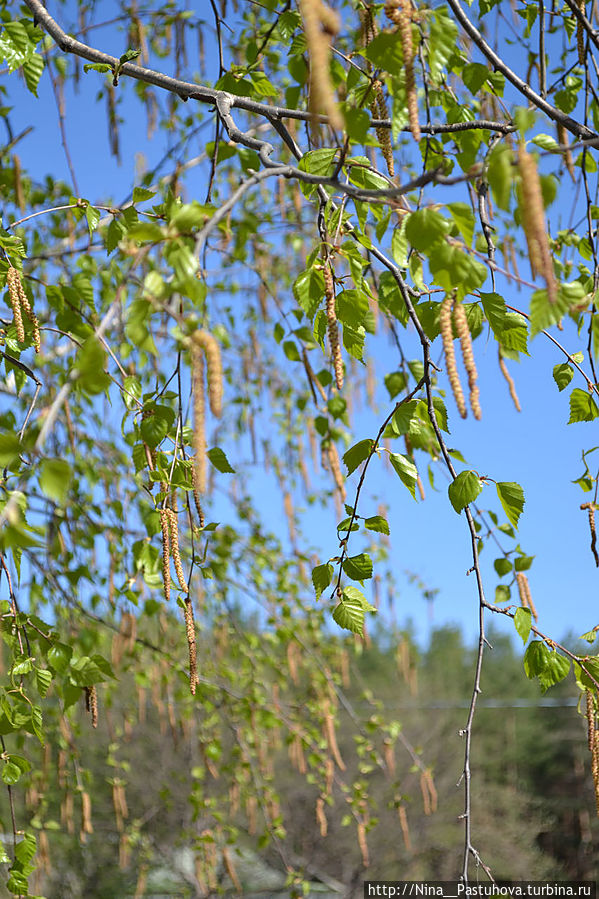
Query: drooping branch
x=525, y=89
x=189, y=91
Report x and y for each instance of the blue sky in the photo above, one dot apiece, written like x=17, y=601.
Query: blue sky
x=535, y=448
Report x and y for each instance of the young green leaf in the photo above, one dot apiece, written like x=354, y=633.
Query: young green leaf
x=522, y=622
x=358, y=568
x=321, y=578
x=406, y=470
x=357, y=454
x=464, y=489
x=219, y=460
x=511, y=496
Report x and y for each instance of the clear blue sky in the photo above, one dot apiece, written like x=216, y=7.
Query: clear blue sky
x=535, y=448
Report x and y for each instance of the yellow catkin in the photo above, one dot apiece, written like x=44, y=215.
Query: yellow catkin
x=166, y=554
x=378, y=108
x=190, y=633
x=18, y=182
x=562, y=136
x=91, y=703
x=174, y=537
x=450, y=363
x=595, y=769
x=510, y=382
x=525, y=594
x=199, y=420
x=591, y=508
x=590, y=702
x=389, y=756
x=461, y=323
x=321, y=818
x=362, y=843
x=13, y=281
x=320, y=24
x=331, y=736
x=580, y=35
x=333, y=457
x=208, y=343
x=400, y=13
x=86, y=815
x=405, y=830
x=332, y=327
x=230, y=869
x=25, y=306
x=533, y=221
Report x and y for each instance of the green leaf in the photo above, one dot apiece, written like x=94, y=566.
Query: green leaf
x=582, y=406
x=352, y=307
x=357, y=454
x=463, y=216
x=425, y=228
x=156, y=425
x=141, y=193
x=502, y=566
x=406, y=470
x=562, y=375
x=219, y=460
x=97, y=67
x=10, y=448
x=535, y=658
x=358, y=568
x=464, y=489
x=146, y=232
x=349, y=613
x=377, y=523
x=93, y=217
x=502, y=593
x=511, y=496
x=55, y=479
x=308, y=290
x=90, y=364
x=523, y=622
x=321, y=578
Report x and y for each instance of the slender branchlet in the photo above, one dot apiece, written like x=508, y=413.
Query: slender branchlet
x=332, y=326
x=199, y=419
x=461, y=323
x=400, y=13
x=591, y=508
x=450, y=363
x=533, y=221
x=320, y=24
x=510, y=382
x=209, y=345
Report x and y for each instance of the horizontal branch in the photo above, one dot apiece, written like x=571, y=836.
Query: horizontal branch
x=500, y=66
x=189, y=91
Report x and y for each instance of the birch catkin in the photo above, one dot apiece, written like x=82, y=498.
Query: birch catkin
x=13, y=282
x=533, y=222
x=590, y=507
x=450, y=363
x=510, y=382
x=400, y=13
x=208, y=343
x=332, y=327
x=461, y=323
x=320, y=23
x=199, y=419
